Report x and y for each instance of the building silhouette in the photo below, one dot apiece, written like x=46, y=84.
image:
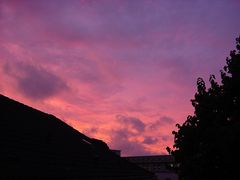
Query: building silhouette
x=36, y=145
x=160, y=165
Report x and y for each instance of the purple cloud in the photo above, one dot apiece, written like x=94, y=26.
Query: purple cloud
x=150, y=140
x=121, y=140
x=166, y=120
x=163, y=121
x=131, y=123
x=91, y=131
x=126, y=136
x=35, y=82
x=166, y=137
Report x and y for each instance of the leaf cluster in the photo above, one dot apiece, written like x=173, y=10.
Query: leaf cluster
x=205, y=145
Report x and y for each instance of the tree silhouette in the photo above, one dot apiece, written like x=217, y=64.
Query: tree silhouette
x=206, y=144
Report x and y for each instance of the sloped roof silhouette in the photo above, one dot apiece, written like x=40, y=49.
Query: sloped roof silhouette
x=36, y=145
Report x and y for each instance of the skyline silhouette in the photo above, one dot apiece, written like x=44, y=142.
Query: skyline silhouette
x=36, y=145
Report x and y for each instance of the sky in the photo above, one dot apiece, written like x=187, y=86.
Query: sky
x=122, y=71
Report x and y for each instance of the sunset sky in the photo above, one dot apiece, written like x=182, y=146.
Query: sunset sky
x=123, y=71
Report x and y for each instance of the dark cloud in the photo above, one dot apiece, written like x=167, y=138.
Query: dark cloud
x=125, y=138
x=91, y=131
x=166, y=138
x=131, y=138
x=166, y=120
x=150, y=140
x=131, y=122
x=120, y=140
x=34, y=81
x=163, y=121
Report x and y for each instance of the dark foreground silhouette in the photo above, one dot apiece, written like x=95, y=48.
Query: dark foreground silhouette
x=36, y=145
x=206, y=145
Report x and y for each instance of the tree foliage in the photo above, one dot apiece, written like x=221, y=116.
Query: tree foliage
x=206, y=144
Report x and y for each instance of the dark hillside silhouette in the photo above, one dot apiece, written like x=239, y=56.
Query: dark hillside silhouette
x=36, y=145
x=206, y=145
